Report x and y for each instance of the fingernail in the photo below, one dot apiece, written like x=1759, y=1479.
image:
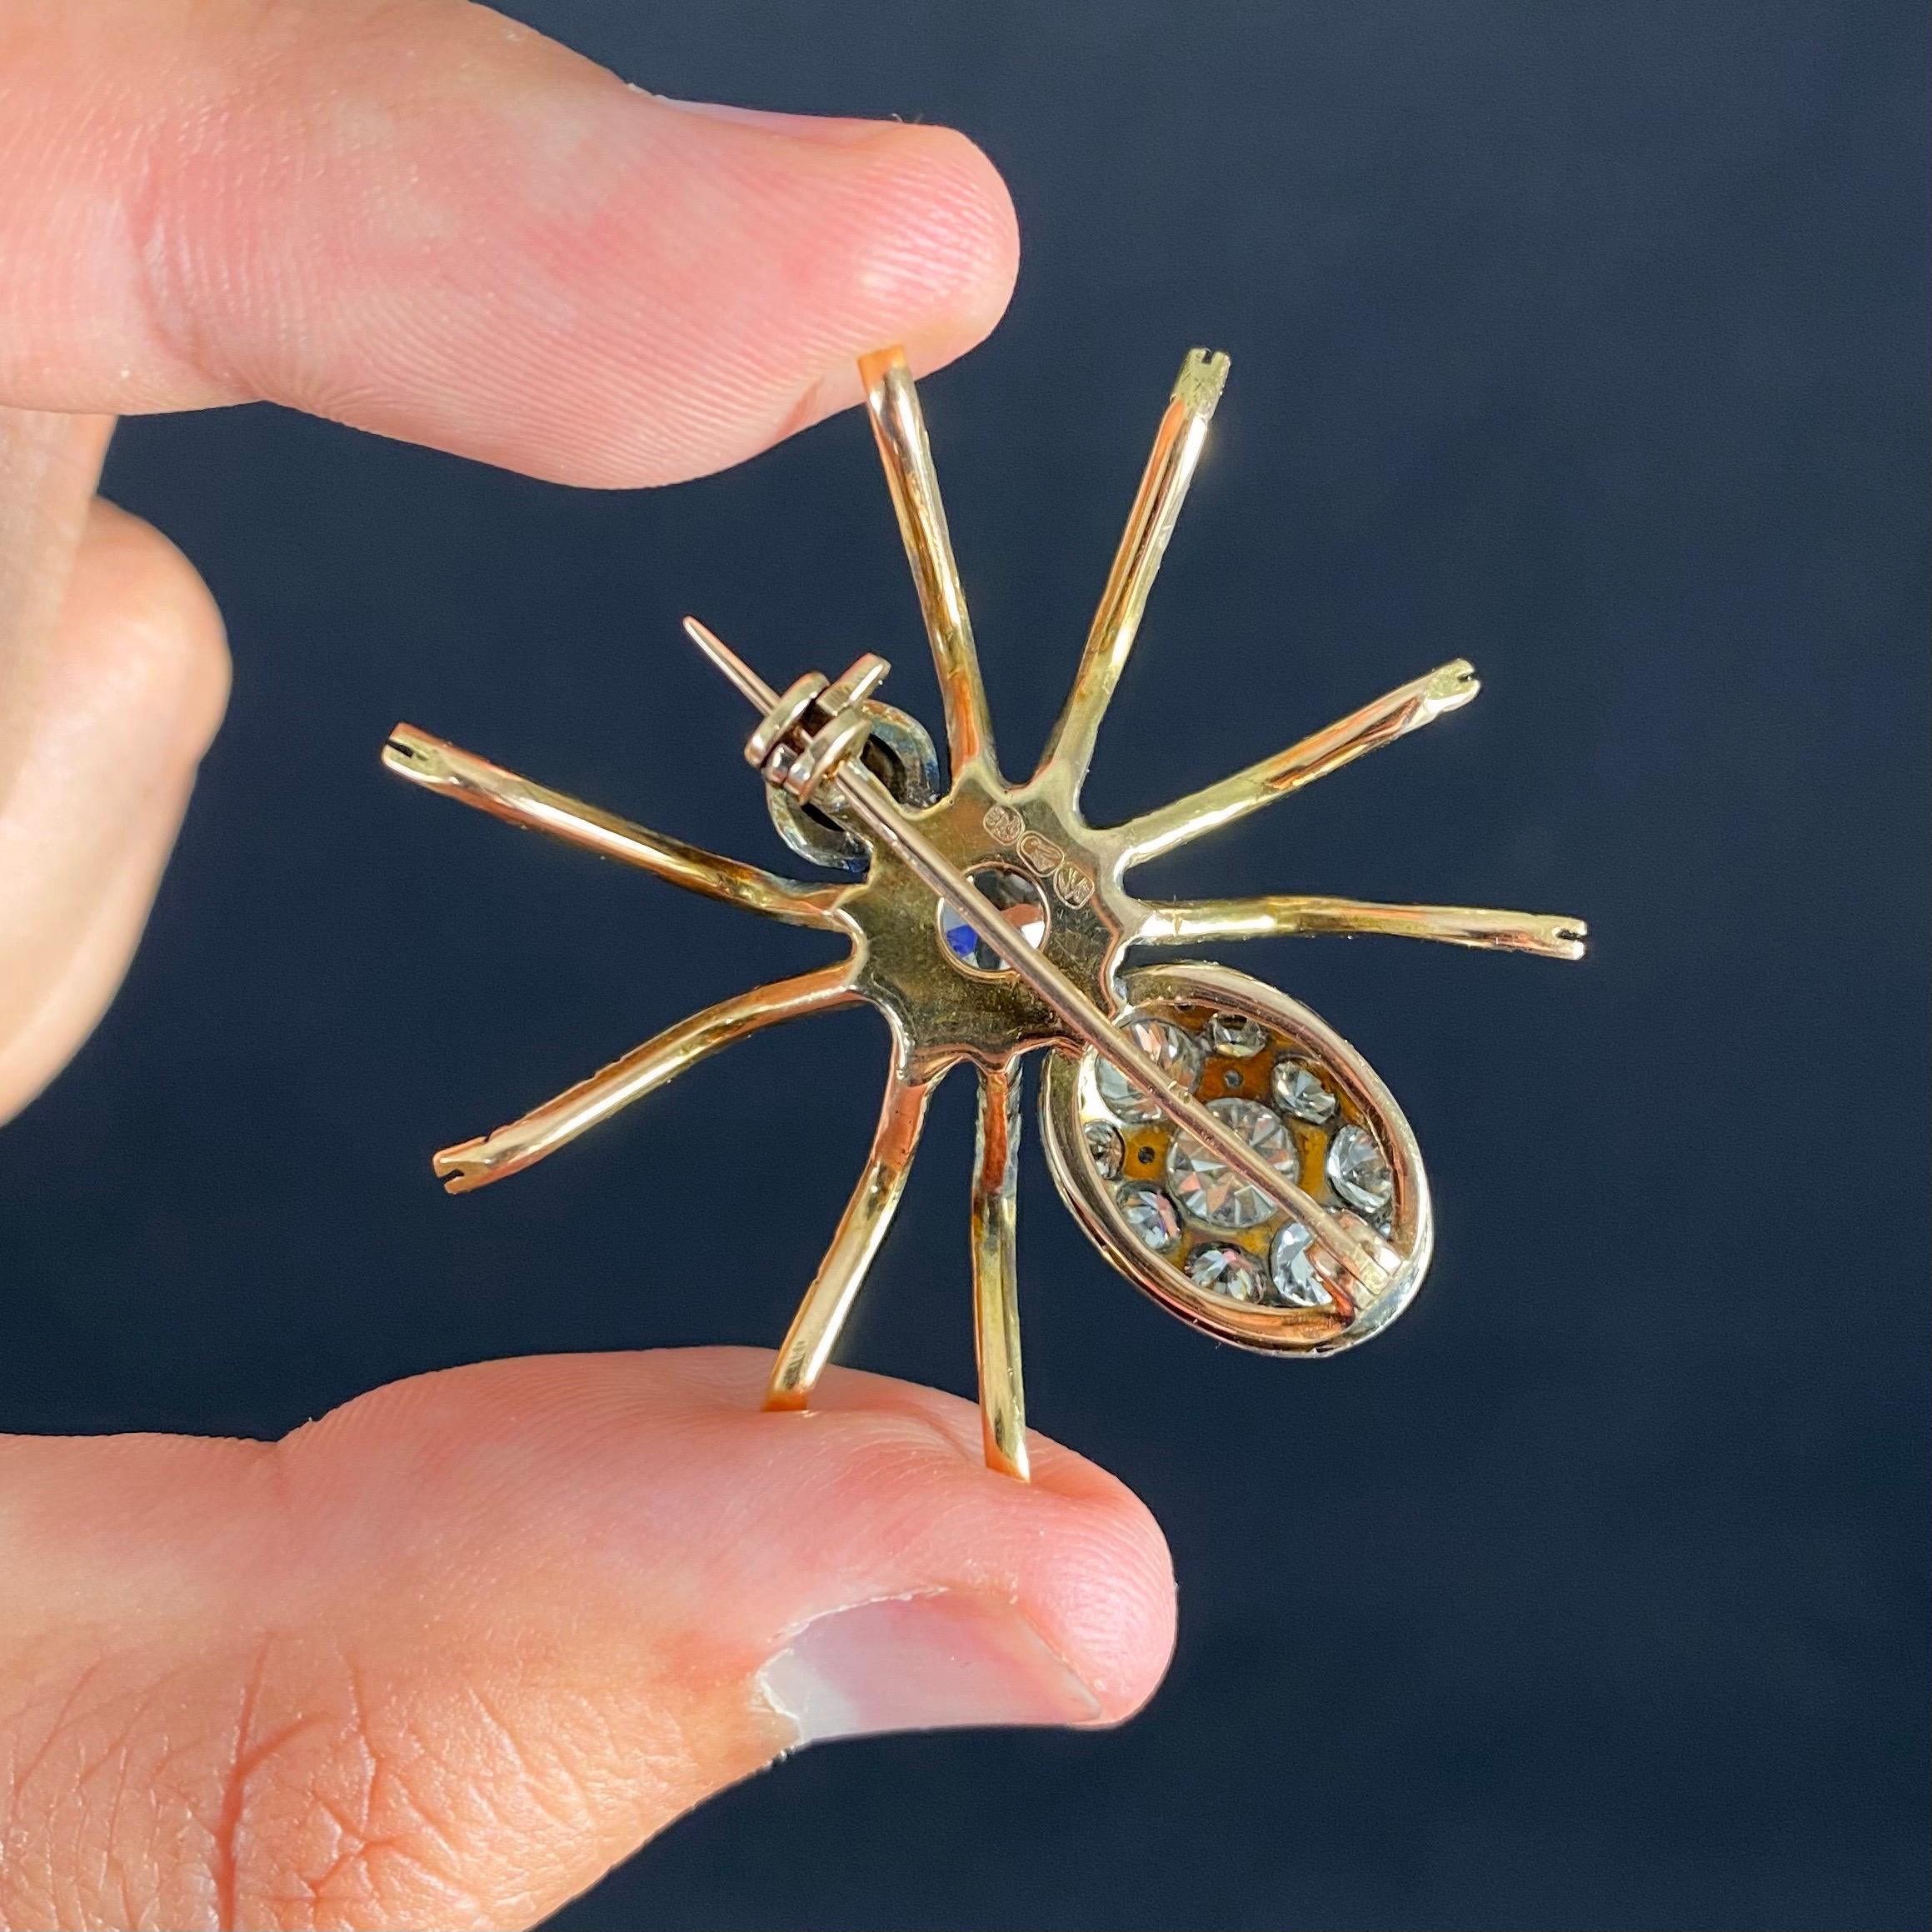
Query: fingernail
x=921, y=1663
x=827, y=128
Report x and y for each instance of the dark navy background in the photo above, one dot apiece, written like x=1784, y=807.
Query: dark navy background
x=1586, y=341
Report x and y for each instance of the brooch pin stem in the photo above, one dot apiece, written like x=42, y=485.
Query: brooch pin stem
x=873, y=806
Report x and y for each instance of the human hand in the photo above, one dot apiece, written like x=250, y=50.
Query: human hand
x=443, y=1657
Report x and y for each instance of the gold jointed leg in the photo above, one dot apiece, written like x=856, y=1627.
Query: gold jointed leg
x=1551, y=935
x=996, y=1284
x=542, y=1131
x=1177, y=447
x=815, y=1328
x=899, y=427
x=1415, y=704
x=472, y=780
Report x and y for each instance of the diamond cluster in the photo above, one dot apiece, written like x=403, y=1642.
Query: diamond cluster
x=1188, y=1207
x=1208, y=1189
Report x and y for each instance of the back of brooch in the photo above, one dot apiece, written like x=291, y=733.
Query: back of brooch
x=1226, y=1149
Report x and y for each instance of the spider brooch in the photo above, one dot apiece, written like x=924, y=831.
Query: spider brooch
x=1223, y=1147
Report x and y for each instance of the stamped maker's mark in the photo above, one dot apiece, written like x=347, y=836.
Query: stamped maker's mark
x=1072, y=883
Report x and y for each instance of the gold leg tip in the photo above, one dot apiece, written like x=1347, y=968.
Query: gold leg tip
x=420, y=758
x=406, y=751
x=463, y=1167
x=783, y=1398
x=1203, y=375
x=875, y=364
x=1454, y=684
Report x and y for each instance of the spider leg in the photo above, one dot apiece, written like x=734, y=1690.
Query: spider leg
x=1402, y=711
x=472, y=780
x=1177, y=447
x=815, y=1328
x=899, y=427
x=542, y=1131
x=996, y=1282
x=1551, y=936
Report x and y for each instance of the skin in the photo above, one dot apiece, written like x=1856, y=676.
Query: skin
x=443, y=1657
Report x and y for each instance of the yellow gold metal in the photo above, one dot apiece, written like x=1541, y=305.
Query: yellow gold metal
x=826, y=755
x=826, y=751
x=857, y=682
x=441, y=766
x=1177, y=447
x=815, y=1328
x=749, y=685
x=543, y=1130
x=1333, y=1234
x=1549, y=936
x=995, y=1281
x=899, y=428
x=798, y=699
x=1445, y=689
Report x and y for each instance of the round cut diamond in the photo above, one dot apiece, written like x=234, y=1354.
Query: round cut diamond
x=1211, y=1191
x=1298, y=1092
x=1151, y=1215
x=1016, y=896
x=1236, y=1036
x=1106, y=1149
x=1292, y=1268
x=1227, y=1271
x=1359, y=1173
x=1176, y=1053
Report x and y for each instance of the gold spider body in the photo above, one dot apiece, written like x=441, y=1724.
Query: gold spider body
x=1183, y=1226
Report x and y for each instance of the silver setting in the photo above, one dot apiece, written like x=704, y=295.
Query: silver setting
x=899, y=752
x=1289, y=1314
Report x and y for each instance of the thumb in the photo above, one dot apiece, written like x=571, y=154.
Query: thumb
x=445, y=1657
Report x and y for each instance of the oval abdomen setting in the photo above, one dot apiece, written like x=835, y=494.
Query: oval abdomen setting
x=1207, y=1246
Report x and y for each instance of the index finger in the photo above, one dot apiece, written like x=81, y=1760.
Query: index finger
x=425, y=219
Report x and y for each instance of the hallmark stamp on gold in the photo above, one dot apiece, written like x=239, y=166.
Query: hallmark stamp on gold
x=1073, y=885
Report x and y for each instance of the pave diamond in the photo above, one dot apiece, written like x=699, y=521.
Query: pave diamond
x=1291, y=1267
x=1359, y=1173
x=1106, y=1149
x=1015, y=895
x=1177, y=1055
x=1151, y=1215
x=1228, y=1271
x=1209, y=1190
x=1236, y=1036
x=1298, y=1092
